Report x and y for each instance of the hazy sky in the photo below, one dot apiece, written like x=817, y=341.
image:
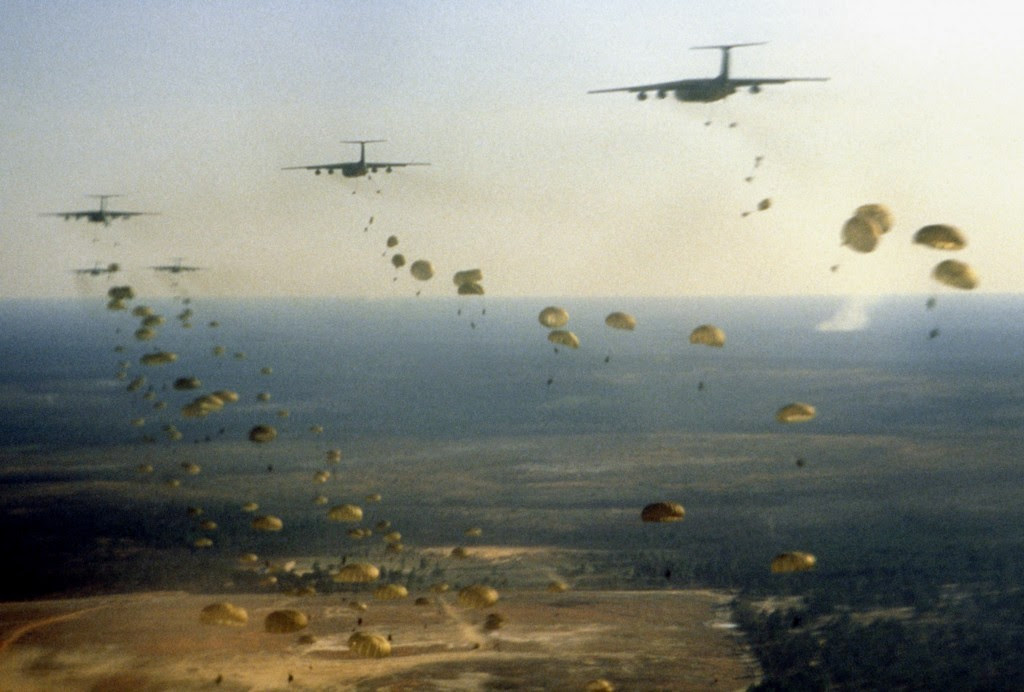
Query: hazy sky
x=192, y=108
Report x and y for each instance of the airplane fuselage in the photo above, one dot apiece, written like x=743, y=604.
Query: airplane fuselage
x=706, y=92
x=354, y=170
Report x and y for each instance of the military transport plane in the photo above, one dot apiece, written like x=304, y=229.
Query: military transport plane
x=356, y=169
x=101, y=215
x=709, y=89
x=175, y=268
x=97, y=270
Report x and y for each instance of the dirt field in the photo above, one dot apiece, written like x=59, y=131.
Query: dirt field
x=663, y=640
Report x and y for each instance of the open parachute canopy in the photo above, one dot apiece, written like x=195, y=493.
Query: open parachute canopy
x=620, y=320
x=861, y=233
x=879, y=214
x=956, y=274
x=369, y=645
x=659, y=512
x=708, y=335
x=553, y=317
x=941, y=237
x=795, y=561
x=796, y=412
x=563, y=337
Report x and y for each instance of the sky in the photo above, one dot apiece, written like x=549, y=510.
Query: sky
x=191, y=109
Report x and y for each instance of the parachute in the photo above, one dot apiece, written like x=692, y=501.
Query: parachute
x=120, y=293
x=321, y=476
x=250, y=507
x=369, y=645
x=223, y=614
x=203, y=543
x=158, y=358
x=861, y=234
x=796, y=413
x=390, y=592
x=145, y=334
x=563, y=337
x=478, y=596
x=398, y=260
x=620, y=320
x=267, y=522
x=795, y=561
x=956, y=274
x=557, y=586
x=552, y=317
x=392, y=241
x=468, y=276
x=285, y=621
x=262, y=433
x=357, y=573
x=474, y=531
x=345, y=513
x=470, y=289
x=708, y=335
x=421, y=270
x=333, y=456
x=878, y=214
x=941, y=237
x=660, y=512
x=185, y=383
x=226, y=395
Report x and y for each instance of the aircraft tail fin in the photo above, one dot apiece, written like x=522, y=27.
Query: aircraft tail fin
x=362, y=146
x=725, y=48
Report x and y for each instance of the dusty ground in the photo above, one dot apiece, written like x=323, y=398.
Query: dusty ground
x=663, y=640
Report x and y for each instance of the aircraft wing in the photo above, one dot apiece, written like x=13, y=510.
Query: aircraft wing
x=70, y=214
x=661, y=86
x=321, y=167
x=128, y=214
x=379, y=164
x=773, y=80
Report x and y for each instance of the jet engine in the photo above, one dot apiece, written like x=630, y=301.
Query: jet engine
x=642, y=96
x=755, y=89
x=662, y=93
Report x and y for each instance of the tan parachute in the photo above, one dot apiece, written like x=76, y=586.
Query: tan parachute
x=553, y=317
x=708, y=335
x=956, y=274
x=564, y=337
x=879, y=214
x=267, y=522
x=345, y=513
x=223, y=614
x=861, y=233
x=620, y=320
x=941, y=237
x=795, y=561
x=478, y=596
x=285, y=621
x=357, y=573
x=390, y=592
x=368, y=645
x=796, y=412
x=262, y=433
x=421, y=270
x=659, y=512
x=468, y=276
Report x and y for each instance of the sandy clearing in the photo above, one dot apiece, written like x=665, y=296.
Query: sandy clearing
x=154, y=641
